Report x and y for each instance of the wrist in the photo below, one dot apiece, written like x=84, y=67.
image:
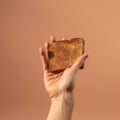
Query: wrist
x=66, y=97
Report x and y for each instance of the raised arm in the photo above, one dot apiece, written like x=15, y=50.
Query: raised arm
x=60, y=85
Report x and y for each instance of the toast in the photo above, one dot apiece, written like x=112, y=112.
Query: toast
x=62, y=54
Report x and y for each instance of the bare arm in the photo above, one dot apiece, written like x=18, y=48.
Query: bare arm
x=61, y=108
x=60, y=85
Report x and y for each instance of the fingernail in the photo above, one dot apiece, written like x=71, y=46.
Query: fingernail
x=52, y=37
x=46, y=44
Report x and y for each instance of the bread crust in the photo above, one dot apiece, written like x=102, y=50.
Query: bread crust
x=62, y=54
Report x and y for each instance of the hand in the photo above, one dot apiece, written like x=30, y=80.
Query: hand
x=57, y=83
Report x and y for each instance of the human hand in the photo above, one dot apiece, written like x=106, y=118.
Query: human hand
x=57, y=83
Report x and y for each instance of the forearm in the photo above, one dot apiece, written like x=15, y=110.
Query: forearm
x=61, y=107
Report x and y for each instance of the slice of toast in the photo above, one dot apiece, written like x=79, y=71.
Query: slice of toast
x=62, y=54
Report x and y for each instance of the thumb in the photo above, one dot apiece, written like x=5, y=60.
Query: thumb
x=79, y=62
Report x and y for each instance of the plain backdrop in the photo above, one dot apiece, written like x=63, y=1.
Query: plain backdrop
x=26, y=24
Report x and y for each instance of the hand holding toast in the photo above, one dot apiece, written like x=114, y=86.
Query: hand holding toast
x=59, y=82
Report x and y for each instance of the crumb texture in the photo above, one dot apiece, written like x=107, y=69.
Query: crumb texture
x=62, y=54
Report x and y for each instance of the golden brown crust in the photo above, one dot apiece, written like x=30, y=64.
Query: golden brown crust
x=62, y=54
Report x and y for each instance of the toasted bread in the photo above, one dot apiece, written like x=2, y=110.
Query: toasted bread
x=62, y=54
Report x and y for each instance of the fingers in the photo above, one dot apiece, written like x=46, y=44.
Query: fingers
x=52, y=39
x=43, y=59
x=64, y=38
x=44, y=52
x=46, y=45
x=79, y=62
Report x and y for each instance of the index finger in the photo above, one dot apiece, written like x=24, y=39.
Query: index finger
x=43, y=58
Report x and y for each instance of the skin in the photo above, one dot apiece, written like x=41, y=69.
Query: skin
x=60, y=85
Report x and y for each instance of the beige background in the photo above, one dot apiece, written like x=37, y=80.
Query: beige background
x=27, y=24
